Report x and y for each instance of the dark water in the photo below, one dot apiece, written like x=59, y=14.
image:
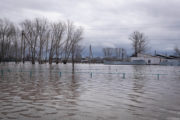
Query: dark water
x=93, y=92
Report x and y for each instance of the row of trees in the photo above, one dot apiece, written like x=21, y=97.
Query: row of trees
x=114, y=53
x=40, y=40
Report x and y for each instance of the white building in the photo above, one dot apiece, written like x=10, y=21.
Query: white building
x=149, y=59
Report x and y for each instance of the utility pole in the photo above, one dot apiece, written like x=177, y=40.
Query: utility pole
x=155, y=53
x=90, y=54
x=122, y=54
x=24, y=47
x=21, y=45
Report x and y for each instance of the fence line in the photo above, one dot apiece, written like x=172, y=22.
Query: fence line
x=60, y=72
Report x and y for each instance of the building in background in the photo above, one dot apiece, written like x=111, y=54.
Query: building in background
x=148, y=59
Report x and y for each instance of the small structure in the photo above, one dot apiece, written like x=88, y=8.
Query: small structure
x=170, y=60
x=148, y=59
x=85, y=60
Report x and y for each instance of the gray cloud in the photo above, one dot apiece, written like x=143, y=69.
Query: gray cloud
x=105, y=22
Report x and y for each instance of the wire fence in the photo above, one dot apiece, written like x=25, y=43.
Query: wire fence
x=123, y=75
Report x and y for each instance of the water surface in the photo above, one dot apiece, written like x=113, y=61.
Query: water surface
x=91, y=92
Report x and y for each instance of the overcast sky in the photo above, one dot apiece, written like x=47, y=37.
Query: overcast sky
x=107, y=23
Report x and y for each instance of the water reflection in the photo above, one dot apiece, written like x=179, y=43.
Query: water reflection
x=136, y=104
x=140, y=78
x=75, y=95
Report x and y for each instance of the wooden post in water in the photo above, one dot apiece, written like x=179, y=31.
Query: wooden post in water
x=124, y=75
x=2, y=72
x=91, y=74
x=59, y=74
x=30, y=73
x=158, y=76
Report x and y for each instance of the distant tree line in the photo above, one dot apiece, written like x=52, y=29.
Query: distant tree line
x=114, y=53
x=40, y=40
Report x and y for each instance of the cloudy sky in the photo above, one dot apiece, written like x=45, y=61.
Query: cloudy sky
x=107, y=23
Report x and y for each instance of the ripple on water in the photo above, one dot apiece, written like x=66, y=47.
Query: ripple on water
x=46, y=95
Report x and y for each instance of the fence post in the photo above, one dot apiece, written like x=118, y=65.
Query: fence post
x=91, y=74
x=158, y=76
x=2, y=72
x=30, y=73
x=124, y=75
x=59, y=74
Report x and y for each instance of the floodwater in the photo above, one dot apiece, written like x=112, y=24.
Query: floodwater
x=91, y=92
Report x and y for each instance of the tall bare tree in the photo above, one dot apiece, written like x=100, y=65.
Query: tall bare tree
x=177, y=51
x=27, y=38
x=47, y=48
x=52, y=48
x=108, y=52
x=68, y=41
x=78, y=52
x=16, y=41
x=58, y=30
x=7, y=32
x=43, y=36
x=118, y=52
x=31, y=31
x=139, y=42
x=76, y=38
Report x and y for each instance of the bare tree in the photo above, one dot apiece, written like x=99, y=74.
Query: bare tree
x=23, y=46
x=78, y=52
x=58, y=30
x=139, y=42
x=31, y=31
x=7, y=32
x=47, y=48
x=16, y=40
x=52, y=48
x=124, y=54
x=76, y=38
x=177, y=51
x=118, y=52
x=108, y=52
x=27, y=38
x=68, y=41
x=43, y=36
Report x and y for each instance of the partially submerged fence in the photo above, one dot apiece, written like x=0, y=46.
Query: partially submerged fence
x=91, y=73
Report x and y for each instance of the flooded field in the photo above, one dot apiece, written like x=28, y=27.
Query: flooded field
x=91, y=92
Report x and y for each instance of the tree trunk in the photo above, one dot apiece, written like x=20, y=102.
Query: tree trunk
x=33, y=61
x=50, y=61
x=57, y=60
x=40, y=62
x=64, y=61
x=24, y=52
